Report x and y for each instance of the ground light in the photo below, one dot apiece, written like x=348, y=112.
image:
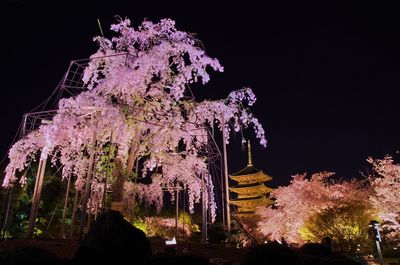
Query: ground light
x=170, y=242
x=170, y=246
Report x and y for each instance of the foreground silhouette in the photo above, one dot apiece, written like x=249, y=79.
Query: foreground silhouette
x=113, y=240
x=28, y=256
x=271, y=254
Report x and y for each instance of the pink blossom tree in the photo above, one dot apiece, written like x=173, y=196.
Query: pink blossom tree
x=296, y=203
x=136, y=103
x=386, y=194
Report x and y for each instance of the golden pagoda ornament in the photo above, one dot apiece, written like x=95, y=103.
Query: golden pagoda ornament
x=250, y=190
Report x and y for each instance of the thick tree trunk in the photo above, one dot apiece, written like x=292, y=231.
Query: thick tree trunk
x=118, y=189
x=131, y=159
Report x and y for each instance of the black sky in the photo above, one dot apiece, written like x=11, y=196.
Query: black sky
x=326, y=75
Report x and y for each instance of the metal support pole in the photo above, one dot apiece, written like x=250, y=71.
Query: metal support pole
x=89, y=218
x=184, y=211
x=65, y=207
x=71, y=232
x=87, y=185
x=6, y=213
x=204, y=211
x=96, y=209
x=209, y=216
x=36, y=196
x=223, y=197
x=106, y=176
x=227, y=205
x=104, y=195
x=176, y=212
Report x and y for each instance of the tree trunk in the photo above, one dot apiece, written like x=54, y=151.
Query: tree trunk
x=131, y=158
x=118, y=189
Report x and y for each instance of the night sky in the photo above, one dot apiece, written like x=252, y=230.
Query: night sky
x=326, y=75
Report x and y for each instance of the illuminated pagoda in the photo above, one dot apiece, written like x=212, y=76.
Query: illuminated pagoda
x=250, y=190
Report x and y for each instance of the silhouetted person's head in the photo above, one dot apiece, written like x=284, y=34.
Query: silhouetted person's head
x=271, y=254
x=316, y=249
x=314, y=253
x=113, y=240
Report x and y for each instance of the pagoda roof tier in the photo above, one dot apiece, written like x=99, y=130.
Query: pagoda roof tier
x=248, y=196
x=246, y=210
x=249, y=178
x=247, y=215
x=251, y=189
x=251, y=202
x=249, y=169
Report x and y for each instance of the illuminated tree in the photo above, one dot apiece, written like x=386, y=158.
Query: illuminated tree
x=386, y=194
x=346, y=225
x=296, y=203
x=166, y=227
x=135, y=103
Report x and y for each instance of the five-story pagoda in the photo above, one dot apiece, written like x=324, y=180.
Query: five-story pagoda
x=250, y=189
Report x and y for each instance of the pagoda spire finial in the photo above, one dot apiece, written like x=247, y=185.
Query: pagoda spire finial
x=249, y=161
